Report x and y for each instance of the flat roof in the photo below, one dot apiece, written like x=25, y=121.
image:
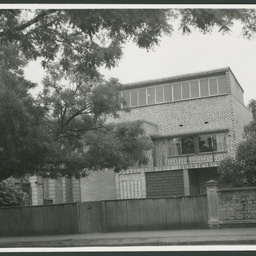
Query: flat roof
x=179, y=78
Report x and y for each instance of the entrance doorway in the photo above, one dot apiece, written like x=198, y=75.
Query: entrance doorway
x=198, y=178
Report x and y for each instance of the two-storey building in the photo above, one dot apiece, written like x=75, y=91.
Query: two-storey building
x=194, y=120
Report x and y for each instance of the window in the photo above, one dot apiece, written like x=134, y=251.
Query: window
x=197, y=144
x=194, y=89
x=159, y=94
x=212, y=142
x=126, y=95
x=142, y=96
x=151, y=95
x=207, y=143
x=222, y=84
x=221, y=141
x=168, y=92
x=188, y=146
x=181, y=146
x=175, y=147
x=213, y=86
x=176, y=91
x=204, y=88
x=134, y=98
x=185, y=91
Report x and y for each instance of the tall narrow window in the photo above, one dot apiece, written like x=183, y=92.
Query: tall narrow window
x=134, y=98
x=142, y=96
x=168, y=92
x=207, y=143
x=159, y=94
x=175, y=147
x=222, y=84
x=204, y=90
x=213, y=86
x=185, y=90
x=221, y=141
x=194, y=89
x=126, y=95
x=151, y=95
x=188, y=146
x=176, y=91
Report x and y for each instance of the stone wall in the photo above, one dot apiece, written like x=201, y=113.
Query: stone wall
x=237, y=204
x=231, y=206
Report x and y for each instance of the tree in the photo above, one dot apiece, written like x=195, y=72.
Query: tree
x=10, y=195
x=62, y=131
x=241, y=171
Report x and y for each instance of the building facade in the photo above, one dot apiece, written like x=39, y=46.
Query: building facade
x=194, y=120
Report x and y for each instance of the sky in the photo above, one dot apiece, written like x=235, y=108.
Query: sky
x=182, y=54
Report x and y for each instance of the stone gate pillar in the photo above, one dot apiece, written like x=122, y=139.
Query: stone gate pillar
x=213, y=204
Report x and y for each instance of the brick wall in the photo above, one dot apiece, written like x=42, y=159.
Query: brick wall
x=76, y=189
x=241, y=117
x=58, y=191
x=236, y=90
x=68, y=189
x=190, y=113
x=98, y=185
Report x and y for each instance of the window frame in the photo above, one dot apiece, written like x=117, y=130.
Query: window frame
x=196, y=145
x=178, y=84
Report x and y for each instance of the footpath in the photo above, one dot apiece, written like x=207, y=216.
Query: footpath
x=231, y=236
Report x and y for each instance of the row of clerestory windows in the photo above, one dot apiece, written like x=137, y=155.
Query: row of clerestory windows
x=175, y=91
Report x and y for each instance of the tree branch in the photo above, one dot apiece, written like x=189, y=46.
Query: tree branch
x=23, y=26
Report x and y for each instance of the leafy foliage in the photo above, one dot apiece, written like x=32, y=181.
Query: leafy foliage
x=64, y=131
x=241, y=171
x=10, y=195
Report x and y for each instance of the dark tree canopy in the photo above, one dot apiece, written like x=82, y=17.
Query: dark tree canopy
x=241, y=171
x=64, y=131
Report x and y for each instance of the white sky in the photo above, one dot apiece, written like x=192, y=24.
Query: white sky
x=181, y=54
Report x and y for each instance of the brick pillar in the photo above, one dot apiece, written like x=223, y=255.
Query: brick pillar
x=213, y=204
x=34, y=193
x=186, y=182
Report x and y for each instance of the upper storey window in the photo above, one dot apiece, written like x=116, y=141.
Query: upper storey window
x=175, y=91
x=197, y=144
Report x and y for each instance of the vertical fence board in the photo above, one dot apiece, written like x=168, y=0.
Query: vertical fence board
x=133, y=215
x=37, y=226
x=26, y=221
x=90, y=217
x=187, y=212
x=116, y=216
x=159, y=213
x=149, y=214
x=201, y=212
x=173, y=216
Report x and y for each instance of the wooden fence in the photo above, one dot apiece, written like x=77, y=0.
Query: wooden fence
x=39, y=220
x=106, y=216
x=155, y=214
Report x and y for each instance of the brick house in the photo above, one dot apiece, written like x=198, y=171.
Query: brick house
x=194, y=120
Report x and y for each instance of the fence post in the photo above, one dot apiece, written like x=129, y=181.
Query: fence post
x=213, y=204
x=78, y=208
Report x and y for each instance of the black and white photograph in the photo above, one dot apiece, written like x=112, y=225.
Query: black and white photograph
x=127, y=127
